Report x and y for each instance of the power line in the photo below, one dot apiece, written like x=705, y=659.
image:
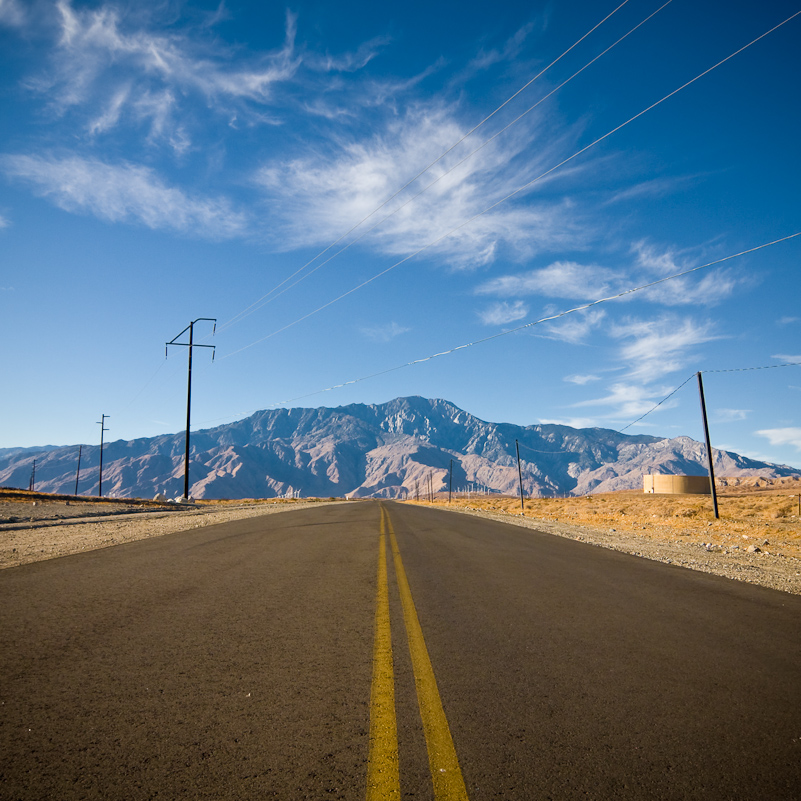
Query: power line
x=730, y=370
x=536, y=322
x=634, y=422
x=746, y=369
x=257, y=304
x=513, y=194
x=269, y=299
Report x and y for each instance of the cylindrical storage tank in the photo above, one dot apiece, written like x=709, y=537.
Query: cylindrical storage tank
x=676, y=485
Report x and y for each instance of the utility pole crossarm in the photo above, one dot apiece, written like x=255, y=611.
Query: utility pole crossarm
x=191, y=344
x=102, y=423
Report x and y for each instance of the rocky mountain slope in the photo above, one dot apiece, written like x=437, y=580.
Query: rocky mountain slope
x=391, y=450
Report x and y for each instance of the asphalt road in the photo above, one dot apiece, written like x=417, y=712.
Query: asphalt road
x=253, y=660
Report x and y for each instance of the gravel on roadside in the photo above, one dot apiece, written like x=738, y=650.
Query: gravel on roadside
x=33, y=538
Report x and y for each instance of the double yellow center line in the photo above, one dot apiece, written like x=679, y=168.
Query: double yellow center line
x=383, y=775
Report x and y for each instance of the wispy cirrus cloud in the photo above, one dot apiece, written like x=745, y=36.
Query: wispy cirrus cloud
x=336, y=187
x=12, y=13
x=573, y=422
x=655, y=187
x=707, y=289
x=121, y=61
x=503, y=313
x=730, y=415
x=581, y=380
x=562, y=279
x=577, y=327
x=654, y=348
x=118, y=66
x=123, y=193
x=782, y=436
x=91, y=38
x=627, y=400
x=385, y=333
x=508, y=51
x=576, y=281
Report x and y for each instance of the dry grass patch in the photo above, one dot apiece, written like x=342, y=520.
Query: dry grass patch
x=757, y=512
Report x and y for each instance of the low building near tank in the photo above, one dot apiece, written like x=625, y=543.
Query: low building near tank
x=676, y=485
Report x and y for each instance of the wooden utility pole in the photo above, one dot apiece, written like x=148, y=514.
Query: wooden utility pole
x=78, y=471
x=190, y=345
x=102, y=423
x=712, y=487
x=450, y=482
x=520, y=478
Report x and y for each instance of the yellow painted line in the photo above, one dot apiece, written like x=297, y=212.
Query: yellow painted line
x=383, y=778
x=446, y=774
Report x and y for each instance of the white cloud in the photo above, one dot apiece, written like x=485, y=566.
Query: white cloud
x=655, y=260
x=12, y=13
x=328, y=191
x=572, y=280
x=573, y=422
x=707, y=289
x=787, y=357
x=575, y=328
x=503, y=313
x=109, y=118
x=385, y=333
x=562, y=279
x=657, y=347
x=629, y=399
x=782, y=436
x=788, y=320
x=656, y=187
x=4, y=222
x=146, y=62
x=581, y=380
x=93, y=41
x=509, y=52
x=123, y=193
x=730, y=415
x=351, y=62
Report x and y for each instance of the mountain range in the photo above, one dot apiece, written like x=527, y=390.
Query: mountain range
x=392, y=450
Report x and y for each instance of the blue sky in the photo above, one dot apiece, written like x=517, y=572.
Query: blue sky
x=161, y=162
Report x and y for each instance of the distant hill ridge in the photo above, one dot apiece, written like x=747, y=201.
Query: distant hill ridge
x=384, y=450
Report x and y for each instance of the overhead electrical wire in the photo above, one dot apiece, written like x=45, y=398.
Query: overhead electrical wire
x=516, y=192
x=550, y=318
x=748, y=369
x=269, y=298
x=257, y=304
x=667, y=397
x=730, y=370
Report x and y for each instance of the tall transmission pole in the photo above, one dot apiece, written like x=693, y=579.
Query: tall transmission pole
x=32, y=483
x=190, y=345
x=102, y=423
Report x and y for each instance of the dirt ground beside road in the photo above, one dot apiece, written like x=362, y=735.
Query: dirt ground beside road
x=35, y=526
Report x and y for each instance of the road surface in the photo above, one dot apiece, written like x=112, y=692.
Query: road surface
x=370, y=650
